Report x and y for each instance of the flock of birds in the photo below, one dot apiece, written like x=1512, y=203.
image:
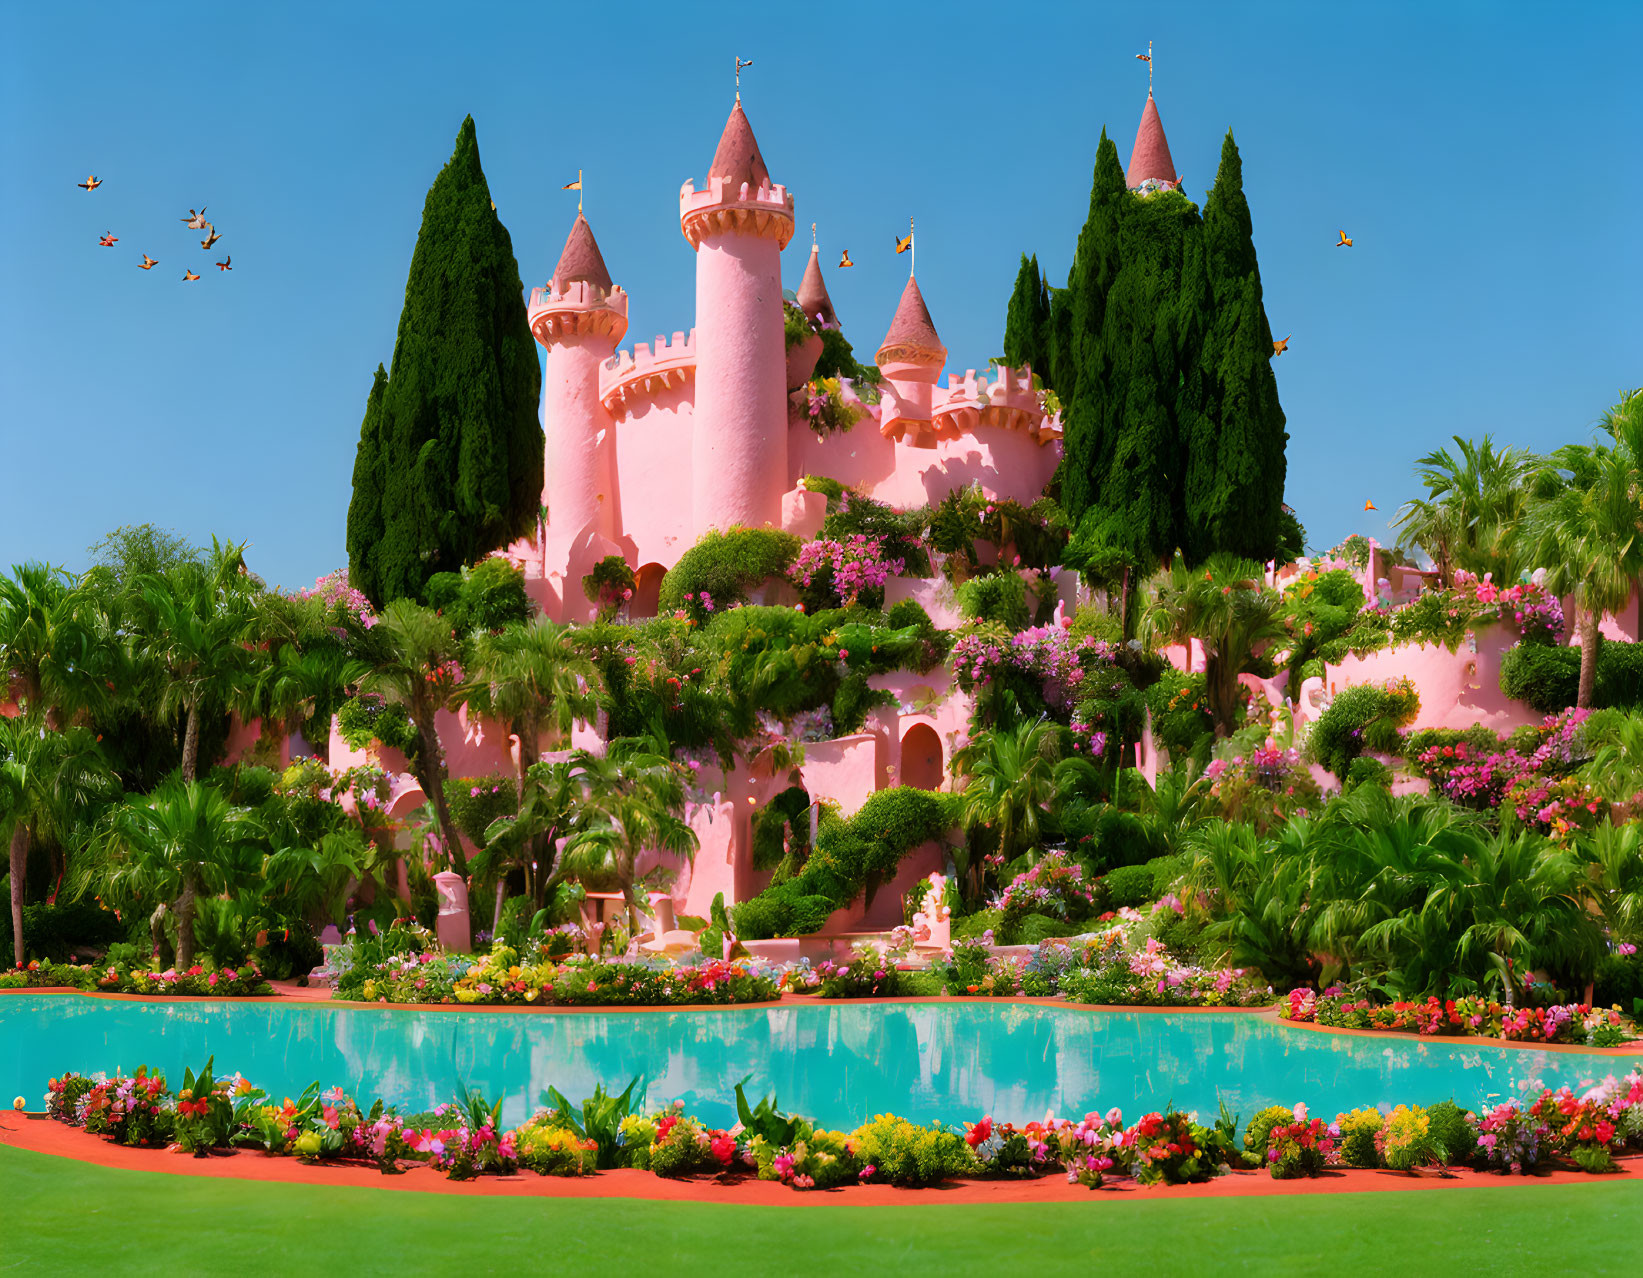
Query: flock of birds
x=195, y=221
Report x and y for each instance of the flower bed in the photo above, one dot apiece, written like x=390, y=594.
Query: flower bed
x=1559, y=1023
x=502, y=978
x=228, y=982
x=466, y=1139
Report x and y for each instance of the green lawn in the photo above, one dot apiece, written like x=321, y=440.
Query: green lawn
x=59, y=1216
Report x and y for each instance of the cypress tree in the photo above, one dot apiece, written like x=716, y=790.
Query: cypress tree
x=1234, y=487
x=1087, y=375
x=1027, y=322
x=459, y=448
x=1148, y=332
x=365, y=509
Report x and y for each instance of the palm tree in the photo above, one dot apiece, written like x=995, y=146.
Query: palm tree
x=49, y=784
x=549, y=808
x=1589, y=536
x=184, y=840
x=419, y=668
x=1473, y=500
x=46, y=644
x=293, y=683
x=535, y=677
x=631, y=804
x=1010, y=788
x=1226, y=607
x=197, y=622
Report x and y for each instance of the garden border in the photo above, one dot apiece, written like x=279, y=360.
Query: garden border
x=319, y=998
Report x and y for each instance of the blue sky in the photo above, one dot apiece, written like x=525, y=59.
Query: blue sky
x=1485, y=157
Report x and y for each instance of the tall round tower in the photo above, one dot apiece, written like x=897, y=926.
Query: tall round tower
x=911, y=358
x=579, y=318
x=738, y=225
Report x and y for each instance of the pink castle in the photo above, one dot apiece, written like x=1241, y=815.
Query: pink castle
x=650, y=447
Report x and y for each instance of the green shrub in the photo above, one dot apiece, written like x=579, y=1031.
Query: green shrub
x=901, y=533
x=1454, y=1129
x=828, y=487
x=1477, y=738
x=1548, y=677
x=999, y=596
x=851, y=856
x=59, y=932
x=1180, y=711
x=488, y=596
x=727, y=565
x=1619, y=982
x=477, y=801
x=367, y=718
x=1129, y=885
x=1366, y=716
x=786, y=811
x=1367, y=771
x=1259, y=1132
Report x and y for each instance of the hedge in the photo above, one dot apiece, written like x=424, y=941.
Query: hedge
x=727, y=565
x=1548, y=677
x=851, y=856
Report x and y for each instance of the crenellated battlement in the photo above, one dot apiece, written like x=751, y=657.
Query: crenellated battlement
x=631, y=376
x=766, y=212
x=1007, y=400
x=554, y=314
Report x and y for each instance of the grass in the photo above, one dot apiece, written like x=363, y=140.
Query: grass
x=63, y=1217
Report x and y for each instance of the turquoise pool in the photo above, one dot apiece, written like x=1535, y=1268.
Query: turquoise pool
x=838, y=1064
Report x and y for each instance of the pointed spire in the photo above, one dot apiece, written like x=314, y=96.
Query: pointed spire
x=1150, y=160
x=912, y=337
x=581, y=262
x=812, y=295
x=738, y=160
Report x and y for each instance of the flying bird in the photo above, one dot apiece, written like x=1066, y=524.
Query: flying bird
x=109, y=239
x=1278, y=348
x=91, y=183
x=1369, y=505
x=195, y=221
x=1345, y=241
x=224, y=264
x=844, y=259
x=147, y=264
x=211, y=236
x=189, y=275
x=904, y=243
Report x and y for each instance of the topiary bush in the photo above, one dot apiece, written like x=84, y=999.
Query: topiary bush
x=1367, y=716
x=725, y=565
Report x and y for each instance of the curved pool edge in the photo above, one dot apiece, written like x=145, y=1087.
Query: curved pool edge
x=319, y=999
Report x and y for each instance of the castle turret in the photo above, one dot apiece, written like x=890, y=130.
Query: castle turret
x=738, y=225
x=1151, y=167
x=812, y=294
x=911, y=358
x=579, y=318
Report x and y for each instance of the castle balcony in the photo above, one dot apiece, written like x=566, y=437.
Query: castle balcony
x=629, y=377
x=766, y=212
x=580, y=308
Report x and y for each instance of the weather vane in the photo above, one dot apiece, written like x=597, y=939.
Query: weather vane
x=739, y=65
x=812, y=235
x=577, y=187
x=1147, y=58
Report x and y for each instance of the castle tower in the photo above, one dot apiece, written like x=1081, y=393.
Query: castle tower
x=812, y=294
x=738, y=225
x=580, y=317
x=911, y=358
x=1151, y=167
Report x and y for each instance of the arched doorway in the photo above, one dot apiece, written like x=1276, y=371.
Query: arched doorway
x=647, y=587
x=921, y=762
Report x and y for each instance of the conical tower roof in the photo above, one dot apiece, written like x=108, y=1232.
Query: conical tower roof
x=912, y=336
x=1151, y=158
x=813, y=298
x=581, y=262
x=738, y=160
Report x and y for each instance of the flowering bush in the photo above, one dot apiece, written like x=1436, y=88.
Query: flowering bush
x=335, y=593
x=868, y=973
x=1405, y=1140
x=841, y=572
x=1559, y=1023
x=1265, y=785
x=609, y=586
x=826, y=407
x=1093, y=1146
x=1358, y=1130
x=1054, y=886
x=905, y=1153
x=1300, y=1147
x=1169, y=1150
x=1110, y=972
x=202, y=979
x=1048, y=656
